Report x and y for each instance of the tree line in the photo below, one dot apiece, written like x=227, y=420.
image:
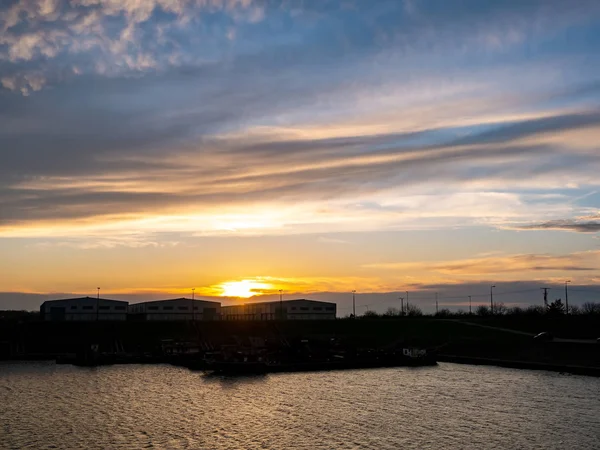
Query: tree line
x=555, y=308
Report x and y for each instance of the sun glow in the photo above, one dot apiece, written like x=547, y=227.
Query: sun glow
x=244, y=288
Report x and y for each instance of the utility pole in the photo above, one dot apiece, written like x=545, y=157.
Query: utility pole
x=545, y=289
x=193, y=315
x=470, y=312
x=567, y=297
x=492, y=299
x=97, y=304
x=407, y=301
x=436, y=302
x=281, y=303
x=401, y=305
x=354, y=304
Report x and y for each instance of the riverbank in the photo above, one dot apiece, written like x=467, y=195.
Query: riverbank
x=514, y=364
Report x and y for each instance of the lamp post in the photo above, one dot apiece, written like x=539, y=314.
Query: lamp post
x=567, y=297
x=407, y=301
x=492, y=299
x=354, y=304
x=401, y=305
x=281, y=304
x=193, y=315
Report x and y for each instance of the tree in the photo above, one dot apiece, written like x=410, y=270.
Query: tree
x=500, y=309
x=413, y=310
x=482, y=310
x=444, y=312
x=535, y=310
x=370, y=314
x=391, y=312
x=590, y=308
x=556, y=307
x=515, y=311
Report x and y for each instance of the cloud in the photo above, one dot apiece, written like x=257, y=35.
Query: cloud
x=249, y=140
x=500, y=266
x=63, y=38
x=578, y=226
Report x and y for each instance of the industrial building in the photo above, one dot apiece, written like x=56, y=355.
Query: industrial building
x=300, y=309
x=175, y=309
x=83, y=309
x=183, y=309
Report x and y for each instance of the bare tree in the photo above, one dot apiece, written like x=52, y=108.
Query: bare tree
x=535, y=310
x=413, y=310
x=500, y=309
x=391, y=312
x=444, y=312
x=590, y=308
x=482, y=310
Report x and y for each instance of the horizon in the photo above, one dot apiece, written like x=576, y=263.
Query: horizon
x=246, y=147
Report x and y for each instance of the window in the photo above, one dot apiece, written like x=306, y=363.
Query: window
x=304, y=308
x=121, y=308
x=167, y=308
x=182, y=308
x=87, y=307
x=73, y=306
x=317, y=308
x=104, y=308
x=152, y=308
x=329, y=308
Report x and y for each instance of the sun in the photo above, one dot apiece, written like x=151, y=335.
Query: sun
x=243, y=288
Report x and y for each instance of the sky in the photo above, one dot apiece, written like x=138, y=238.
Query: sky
x=242, y=147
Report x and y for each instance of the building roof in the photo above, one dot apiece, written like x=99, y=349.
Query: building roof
x=303, y=300
x=78, y=299
x=177, y=300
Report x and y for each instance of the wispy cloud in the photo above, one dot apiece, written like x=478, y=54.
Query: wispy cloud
x=513, y=266
x=589, y=224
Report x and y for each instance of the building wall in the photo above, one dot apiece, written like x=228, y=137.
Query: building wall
x=292, y=310
x=84, y=309
x=176, y=309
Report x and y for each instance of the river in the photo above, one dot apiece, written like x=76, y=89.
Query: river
x=451, y=406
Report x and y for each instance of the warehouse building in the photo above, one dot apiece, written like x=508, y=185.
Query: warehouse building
x=175, y=309
x=300, y=309
x=83, y=309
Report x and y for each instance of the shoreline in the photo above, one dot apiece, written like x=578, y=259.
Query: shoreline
x=515, y=364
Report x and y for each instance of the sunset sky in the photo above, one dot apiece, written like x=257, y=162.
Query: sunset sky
x=240, y=147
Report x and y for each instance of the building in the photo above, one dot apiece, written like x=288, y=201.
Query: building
x=300, y=309
x=175, y=309
x=83, y=309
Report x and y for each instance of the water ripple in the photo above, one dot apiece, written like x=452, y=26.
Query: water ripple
x=162, y=407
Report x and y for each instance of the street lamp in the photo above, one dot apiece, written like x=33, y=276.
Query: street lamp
x=470, y=305
x=406, y=301
x=401, y=305
x=354, y=304
x=492, y=298
x=193, y=315
x=567, y=297
x=281, y=303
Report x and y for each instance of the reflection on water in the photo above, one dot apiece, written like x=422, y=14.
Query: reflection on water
x=451, y=406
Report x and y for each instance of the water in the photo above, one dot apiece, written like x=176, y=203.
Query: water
x=43, y=405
